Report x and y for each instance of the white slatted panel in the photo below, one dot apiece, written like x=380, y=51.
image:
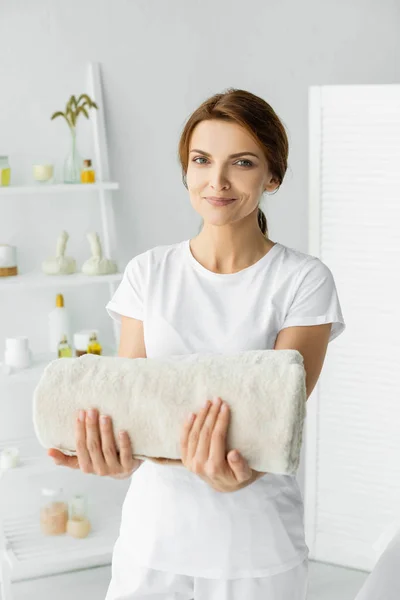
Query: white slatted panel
x=352, y=490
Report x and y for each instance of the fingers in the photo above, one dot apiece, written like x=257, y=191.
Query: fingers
x=108, y=444
x=84, y=460
x=96, y=448
x=207, y=433
x=240, y=467
x=185, y=432
x=217, y=451
x=63, y=460
x=125, y=451
x=93, y=442
x=195, y=431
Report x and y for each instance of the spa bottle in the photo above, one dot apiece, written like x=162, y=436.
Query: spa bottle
x=59, y=324
x=87, y=173
x=78, y=524
x=5, y=171
x=53, y=512
x=94, y=346
x=64, y=349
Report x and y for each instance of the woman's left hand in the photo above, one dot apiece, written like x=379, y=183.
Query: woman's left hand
x=203, y=450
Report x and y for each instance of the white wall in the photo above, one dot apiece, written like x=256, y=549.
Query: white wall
x=159, y=61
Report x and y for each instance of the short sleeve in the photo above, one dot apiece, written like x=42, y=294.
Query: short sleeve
x=315, y=300
x=127, y=300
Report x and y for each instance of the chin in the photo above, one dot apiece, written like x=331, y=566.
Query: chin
x=218, y=221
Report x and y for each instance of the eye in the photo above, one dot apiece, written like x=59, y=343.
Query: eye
x=249, y=163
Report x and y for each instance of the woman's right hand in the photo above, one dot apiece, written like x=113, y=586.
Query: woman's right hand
x=96, y=449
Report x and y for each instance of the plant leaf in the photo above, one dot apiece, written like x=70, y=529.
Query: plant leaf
x=57, y=114
x=87, y=100
x=84, y=97
x=82, y=109
x=71, y=104
x=60, y=114
x=71, y=116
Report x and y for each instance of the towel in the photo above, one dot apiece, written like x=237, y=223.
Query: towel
x=151, y=398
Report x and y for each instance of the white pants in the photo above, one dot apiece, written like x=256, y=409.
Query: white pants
x=141, y=583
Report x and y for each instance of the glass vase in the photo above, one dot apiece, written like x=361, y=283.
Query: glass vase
x=73, y=162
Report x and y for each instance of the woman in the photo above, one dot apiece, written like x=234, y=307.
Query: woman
x=208, y=527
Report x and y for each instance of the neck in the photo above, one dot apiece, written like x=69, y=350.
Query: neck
x=230, y=248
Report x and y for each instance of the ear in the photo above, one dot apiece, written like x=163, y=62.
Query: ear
x=272, y=185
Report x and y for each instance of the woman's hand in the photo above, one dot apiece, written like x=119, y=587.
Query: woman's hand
x=96, y=449
x=203, y=450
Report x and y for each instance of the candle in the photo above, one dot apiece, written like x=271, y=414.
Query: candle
x=9, y=458
x=8, y=256
x=42, y=172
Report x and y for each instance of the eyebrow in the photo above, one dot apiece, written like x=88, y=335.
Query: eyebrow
x=230, y=156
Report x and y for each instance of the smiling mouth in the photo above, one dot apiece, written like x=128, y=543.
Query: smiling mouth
x=220, y=201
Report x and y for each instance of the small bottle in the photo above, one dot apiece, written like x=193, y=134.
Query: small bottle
x=94, y=346
x=5, y=171
x=82, y=340
x=87, y=173
x=53, y=512
x=59, y=324
x=78, y=524
x=64, y=349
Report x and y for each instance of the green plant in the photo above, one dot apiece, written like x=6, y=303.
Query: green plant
x=74, y=108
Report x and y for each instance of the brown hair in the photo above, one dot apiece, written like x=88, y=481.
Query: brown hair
x=257, y=117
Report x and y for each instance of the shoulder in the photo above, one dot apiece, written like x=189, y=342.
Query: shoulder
x=302, y=265
x=155, y=257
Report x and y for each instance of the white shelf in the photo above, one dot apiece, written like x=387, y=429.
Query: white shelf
x=53, y=188
x=30, y=553
x=31, y=280
x=24, y=551
x=34, y=372
x=33, y=459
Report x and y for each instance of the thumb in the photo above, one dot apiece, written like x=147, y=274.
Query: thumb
x=239, y=466
x=61, y=459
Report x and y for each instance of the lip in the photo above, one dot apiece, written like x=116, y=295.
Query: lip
x=219, y=201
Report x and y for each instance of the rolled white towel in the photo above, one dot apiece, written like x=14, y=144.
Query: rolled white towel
x=150, y=398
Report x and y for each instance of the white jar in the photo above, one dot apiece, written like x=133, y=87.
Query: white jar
x=17, y=353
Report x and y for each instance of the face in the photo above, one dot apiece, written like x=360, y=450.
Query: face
x=213, y=173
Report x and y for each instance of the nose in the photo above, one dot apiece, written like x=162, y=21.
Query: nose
x=218, y=180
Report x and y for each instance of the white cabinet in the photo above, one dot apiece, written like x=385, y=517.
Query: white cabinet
x=24, y=551
x=352, y=486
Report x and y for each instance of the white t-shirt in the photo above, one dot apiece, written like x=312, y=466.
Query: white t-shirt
x=171, y=519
